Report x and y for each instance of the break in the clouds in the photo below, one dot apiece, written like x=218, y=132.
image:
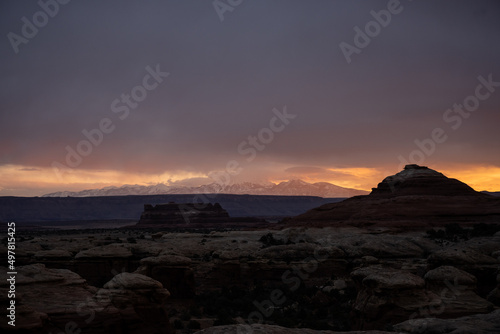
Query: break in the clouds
x=226, y=77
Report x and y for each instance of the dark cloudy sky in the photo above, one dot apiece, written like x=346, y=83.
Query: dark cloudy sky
x=353, y=121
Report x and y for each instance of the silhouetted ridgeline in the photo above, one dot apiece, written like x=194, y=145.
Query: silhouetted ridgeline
x=40, y=209
x=415, y=197
x=494, y=193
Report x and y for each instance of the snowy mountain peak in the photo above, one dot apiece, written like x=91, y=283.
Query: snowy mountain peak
x=288, y=188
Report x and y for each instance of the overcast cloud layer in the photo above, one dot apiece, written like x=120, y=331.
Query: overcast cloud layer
x=225, y=78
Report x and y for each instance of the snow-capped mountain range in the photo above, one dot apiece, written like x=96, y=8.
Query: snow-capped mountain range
x=290, y=188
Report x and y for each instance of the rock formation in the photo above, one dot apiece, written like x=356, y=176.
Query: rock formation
x=415, y=197
x=388, y=296
x=270, y=329
x=172, y=213
x=477, y=324
x=58, y=300
x=457, y=291
x=191, y=215
x=173, y=272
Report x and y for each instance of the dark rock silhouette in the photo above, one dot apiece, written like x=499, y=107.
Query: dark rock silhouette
x=415, y=197
x=50, y=300
x=415, y=180
x=193, y=215
x=172, y=213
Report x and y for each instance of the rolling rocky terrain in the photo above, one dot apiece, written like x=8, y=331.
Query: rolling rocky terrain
x=332, y=279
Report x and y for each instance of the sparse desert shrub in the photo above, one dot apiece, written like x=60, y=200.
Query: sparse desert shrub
x=132, y=240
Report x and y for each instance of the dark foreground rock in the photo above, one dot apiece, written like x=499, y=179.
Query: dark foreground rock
x=60, y=301
x=388, y=296
x=269, y=329
x=477, y=324
x=335, y=279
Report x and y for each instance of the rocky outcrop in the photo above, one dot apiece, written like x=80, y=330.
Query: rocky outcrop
x=416, y=180
x=53, y=300
x=97, y=264
x=415, y=197
x=388, y=296
x=494, y=295
x=270, y=329
x=139, y=300
x=460, y=256
x=48, y=298
x=100, y=264
x=192, y=215
x=173, y=271
x=477, y=324
x=457, y=292
x=476, y=262
x=184, y=213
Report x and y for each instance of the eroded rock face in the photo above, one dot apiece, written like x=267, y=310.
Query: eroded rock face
x=475, y=262
x=48, y=298
x=109, y=251
x=53, y=300
x=494, y=295
x=269, y=329
x=457, y=291
x=460, y=256
x=173, y=271
x=98, y=264
x=172, y=213
x=477, y=324
x=139, y=299
x=388, y=296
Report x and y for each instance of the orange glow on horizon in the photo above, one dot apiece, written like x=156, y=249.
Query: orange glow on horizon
x=45, y=180
x=478, y=177
x=19, y=180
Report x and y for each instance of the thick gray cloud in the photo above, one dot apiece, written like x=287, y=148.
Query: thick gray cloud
x=226, y=77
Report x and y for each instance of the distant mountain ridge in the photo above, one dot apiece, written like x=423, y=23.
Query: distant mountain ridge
x=85, y=209
x=287, y=188
x=493, y=193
